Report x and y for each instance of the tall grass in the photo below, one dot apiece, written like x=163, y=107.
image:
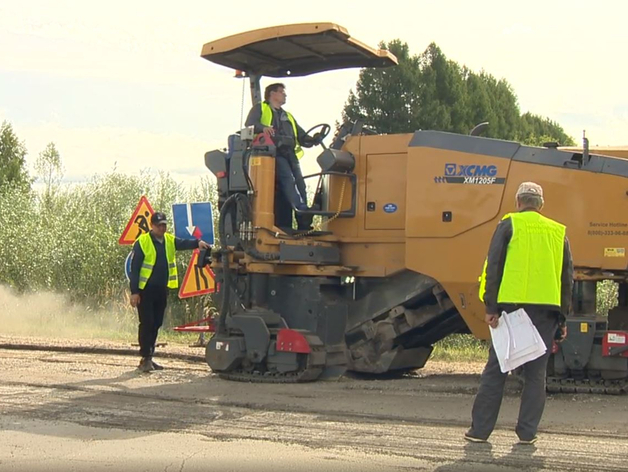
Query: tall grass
x=68, y=244
x=461, y=348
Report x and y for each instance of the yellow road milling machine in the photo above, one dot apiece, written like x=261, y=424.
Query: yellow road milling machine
x=406, y=224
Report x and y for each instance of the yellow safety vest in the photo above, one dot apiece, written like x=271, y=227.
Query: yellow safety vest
x=534, y=261
x=150, y=257
x=267, y=120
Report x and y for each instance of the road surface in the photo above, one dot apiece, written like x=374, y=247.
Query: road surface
x=69, y=411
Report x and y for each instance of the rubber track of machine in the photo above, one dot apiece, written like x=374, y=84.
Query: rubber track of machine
x=601, y=387
x=309, y=374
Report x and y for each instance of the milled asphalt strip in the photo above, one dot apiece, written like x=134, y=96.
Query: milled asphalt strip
x=94, y=350
x=324, y=413
x=512, y=386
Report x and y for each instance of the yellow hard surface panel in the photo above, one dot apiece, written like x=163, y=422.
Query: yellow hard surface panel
x=385, y=192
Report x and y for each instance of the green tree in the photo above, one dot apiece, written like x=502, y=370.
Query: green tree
x=429, y=91
x=78, y=241
x=443, y=103
x=505, y=122
x=50, y=170
x=386, y=98
x=480, y=108
x=536, y=130
x=12, y=160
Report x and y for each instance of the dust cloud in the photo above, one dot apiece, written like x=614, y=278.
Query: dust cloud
x=48, y=314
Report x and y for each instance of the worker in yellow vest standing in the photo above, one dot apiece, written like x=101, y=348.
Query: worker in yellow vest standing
x=529, y=266
x=280, y=127
x=153, y=272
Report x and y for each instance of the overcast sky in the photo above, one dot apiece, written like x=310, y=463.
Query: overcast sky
x=121, y=83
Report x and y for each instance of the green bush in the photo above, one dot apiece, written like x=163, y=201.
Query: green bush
x=607, y=292
x=69, y=243
x=461, y=348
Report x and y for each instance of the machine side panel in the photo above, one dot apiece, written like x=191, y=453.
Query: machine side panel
x=590, y=200
x=361, y=147
x=596, y=216
x=374, y=259
x=385, y=192
x=457, y=182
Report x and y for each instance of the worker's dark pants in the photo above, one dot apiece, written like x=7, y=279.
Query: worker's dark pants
x=283, y=210
x=489, y=397
x=151, y=311
x=291, y=184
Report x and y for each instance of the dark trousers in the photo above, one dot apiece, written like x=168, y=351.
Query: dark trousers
x=291, y=184
x=151, y=311
x=283, y=210
x=489, y=397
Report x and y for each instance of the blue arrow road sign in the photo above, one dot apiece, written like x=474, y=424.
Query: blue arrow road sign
x=194, y=221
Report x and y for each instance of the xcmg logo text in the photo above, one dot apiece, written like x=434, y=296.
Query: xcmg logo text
x=473, y=174
x=472, y=170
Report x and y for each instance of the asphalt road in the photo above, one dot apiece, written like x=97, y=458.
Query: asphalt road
x=64, y=411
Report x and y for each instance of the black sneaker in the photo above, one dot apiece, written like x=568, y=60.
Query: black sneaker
x=146, y=365
x=156, y=366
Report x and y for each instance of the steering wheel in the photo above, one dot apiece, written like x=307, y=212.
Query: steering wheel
x=325, y=129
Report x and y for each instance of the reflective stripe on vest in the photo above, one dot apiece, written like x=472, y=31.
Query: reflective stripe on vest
x=534, y=261
x=150, y=257
x=267, y=120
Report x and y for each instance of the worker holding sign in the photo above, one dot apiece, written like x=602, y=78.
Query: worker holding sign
x=153, y=272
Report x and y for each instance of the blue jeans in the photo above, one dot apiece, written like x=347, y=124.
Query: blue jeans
x=290, y=179
x=292, y=186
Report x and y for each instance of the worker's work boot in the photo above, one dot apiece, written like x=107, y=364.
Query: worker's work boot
x=304, y=222
x=146, y=365
x=474, y=439
x=528, y=442
x=156, y=366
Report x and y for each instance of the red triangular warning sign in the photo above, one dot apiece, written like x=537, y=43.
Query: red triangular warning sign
x=197, y=281
x=139, y=222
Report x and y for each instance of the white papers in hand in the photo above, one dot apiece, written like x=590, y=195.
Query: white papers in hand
x=516, y=340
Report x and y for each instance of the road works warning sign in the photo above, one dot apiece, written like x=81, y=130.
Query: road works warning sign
x=197, y=281
x=139, y=222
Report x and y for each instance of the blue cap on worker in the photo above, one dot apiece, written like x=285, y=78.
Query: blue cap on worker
x=158, y=218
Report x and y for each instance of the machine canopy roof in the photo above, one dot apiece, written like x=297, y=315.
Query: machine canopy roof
x=294, y=50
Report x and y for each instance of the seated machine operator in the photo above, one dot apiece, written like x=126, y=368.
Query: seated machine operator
x=280, y=127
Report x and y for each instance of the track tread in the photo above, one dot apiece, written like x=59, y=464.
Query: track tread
x=600, y=387
x=309, y=374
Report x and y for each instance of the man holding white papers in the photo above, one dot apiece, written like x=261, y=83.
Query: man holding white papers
x=528, y=267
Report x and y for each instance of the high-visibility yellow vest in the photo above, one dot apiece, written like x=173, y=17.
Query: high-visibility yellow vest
x=150, y=257
x=267, y=120
x=534, y=261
